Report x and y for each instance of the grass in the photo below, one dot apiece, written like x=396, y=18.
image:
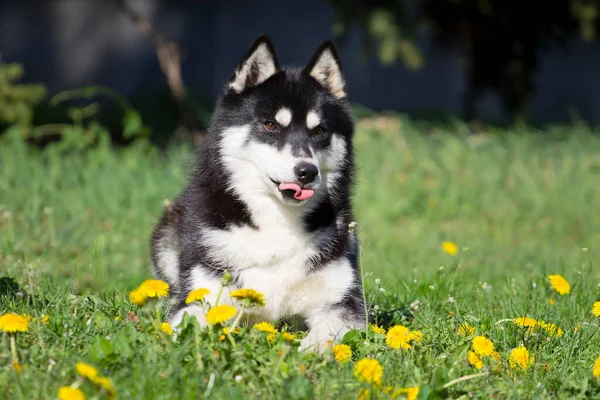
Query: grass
x=74, y=232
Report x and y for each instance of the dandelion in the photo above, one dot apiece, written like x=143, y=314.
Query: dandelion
x=288, y=337
x=249, y=296
x=496, y=356
x=137, y=297
x=369, y=370
x=378, y=330
x=465, y=330
x=551, y=301
x=400, y=337
x=474, y=360
x=411, y=393
x=166, y=328
x=154, y=288
x=69, y=393
x=551, y=329
x=450, y=248
x=86, y=371
x=596, y=371
x=526, y=322
x=596, y=309
x=482, y=346
x=13, y=323
x=265, y=327
x=196, y=295
x=342, y=353
x=220, y=314
x=559, y=284
x=105, y=384
x=520, y=357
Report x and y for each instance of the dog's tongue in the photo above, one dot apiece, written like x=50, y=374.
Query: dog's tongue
x=301, y=194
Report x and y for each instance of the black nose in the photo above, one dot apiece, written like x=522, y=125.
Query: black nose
x=306, y=172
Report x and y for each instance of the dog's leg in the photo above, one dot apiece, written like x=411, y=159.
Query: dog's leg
x=328, y=326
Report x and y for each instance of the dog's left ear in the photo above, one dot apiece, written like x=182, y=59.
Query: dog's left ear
x=326, y=68
x=259, y=64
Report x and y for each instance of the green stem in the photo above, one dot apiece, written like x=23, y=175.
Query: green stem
x=464, y=378
x=362, y=281
x=13, y=349
x=233, y=326
x=218, y=296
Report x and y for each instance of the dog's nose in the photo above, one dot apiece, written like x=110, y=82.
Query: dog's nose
x=306, y=172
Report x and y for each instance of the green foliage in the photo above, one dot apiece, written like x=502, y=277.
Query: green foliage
x=74, y=237
x=17, y=100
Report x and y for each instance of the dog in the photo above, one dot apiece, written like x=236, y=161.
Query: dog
x=269, y=200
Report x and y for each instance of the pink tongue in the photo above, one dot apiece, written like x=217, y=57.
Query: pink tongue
x=301, y=194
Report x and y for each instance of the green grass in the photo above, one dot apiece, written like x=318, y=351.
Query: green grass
x=74, y=234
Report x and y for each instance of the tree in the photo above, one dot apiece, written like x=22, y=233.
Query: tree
x=500, y=39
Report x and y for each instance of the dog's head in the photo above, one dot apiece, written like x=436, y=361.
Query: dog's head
x=284, y=132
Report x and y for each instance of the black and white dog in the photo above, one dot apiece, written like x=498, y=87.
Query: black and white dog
x=269, y=200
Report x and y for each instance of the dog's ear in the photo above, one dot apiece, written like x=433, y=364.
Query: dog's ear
x=257, y=66
x=326, y=68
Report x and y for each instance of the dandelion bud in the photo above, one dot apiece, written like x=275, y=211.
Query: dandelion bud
x=226, y=280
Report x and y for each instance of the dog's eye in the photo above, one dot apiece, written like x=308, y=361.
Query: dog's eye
x=271, y=127
x=319, y=130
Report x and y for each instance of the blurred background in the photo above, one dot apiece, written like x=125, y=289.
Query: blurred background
x=476, y=124
x=486, y=60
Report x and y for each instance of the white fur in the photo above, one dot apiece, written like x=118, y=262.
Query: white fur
x=312, y=120
x=263, y=59
x=327, y=72
x=168, y=263
x=284, y=117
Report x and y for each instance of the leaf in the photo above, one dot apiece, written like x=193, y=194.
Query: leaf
x=132, y=124
x=100, y=349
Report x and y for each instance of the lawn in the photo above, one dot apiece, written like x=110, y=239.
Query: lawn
x=519, y=204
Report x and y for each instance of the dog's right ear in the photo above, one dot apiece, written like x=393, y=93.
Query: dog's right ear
x=257, y=66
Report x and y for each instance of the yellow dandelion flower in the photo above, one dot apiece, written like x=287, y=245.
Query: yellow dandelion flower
x=520, y=358
x=271, y=338
x=465, y=330
x=378, y=330
x=249, y=295
x=86, y=370
x=265, y=327
x=136, y=296
x=220, y=314
x=12, y=323
x=166, y=328
x=196, y=295
x=415, y=335
x=559, y=284
x=496, y=356
x=526, y=322
x=68, y=393
x=596, y=309
x=482, y=346
x=551, y=329
x=474, y=360
x=411, y=393
x=105, y=384
x=450, y=248
x=369, y=370
x=577, y=328
x=154, y=288
x=551, y=301
x=342, y=353
x=18, y=367
x=596, y=371
x=288, y=337
x=399, y=337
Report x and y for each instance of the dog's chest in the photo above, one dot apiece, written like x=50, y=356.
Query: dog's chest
x=272, y=261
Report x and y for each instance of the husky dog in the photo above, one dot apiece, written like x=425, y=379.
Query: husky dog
x=269, y=200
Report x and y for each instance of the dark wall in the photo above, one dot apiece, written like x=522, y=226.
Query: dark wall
x=73, y=43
